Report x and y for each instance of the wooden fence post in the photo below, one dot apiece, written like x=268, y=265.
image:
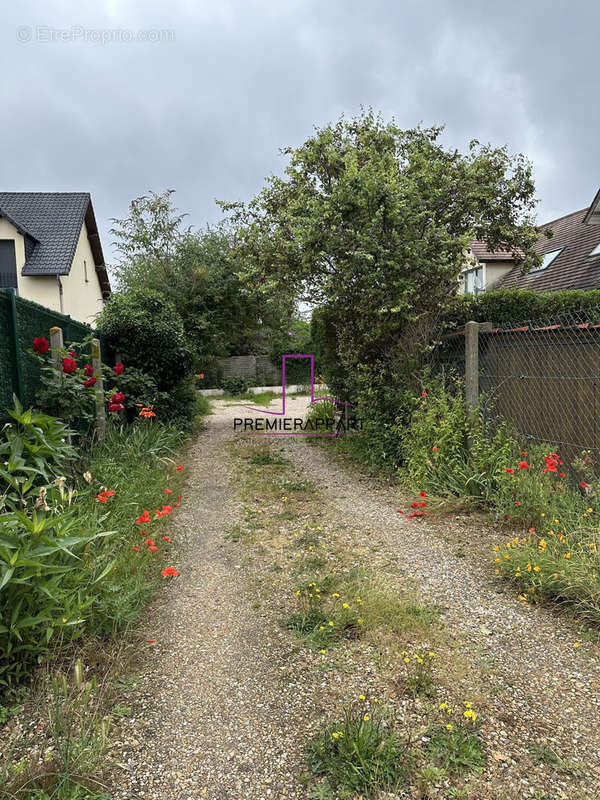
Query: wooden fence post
x=99, y=390
x=472, y=331
x=471, y=366
x=56, y=343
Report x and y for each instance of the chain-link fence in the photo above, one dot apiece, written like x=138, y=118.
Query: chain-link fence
x=20, y=322
x=543, y=376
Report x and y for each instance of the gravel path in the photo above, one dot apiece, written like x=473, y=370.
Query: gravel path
x=225, y=702
x=220, y=706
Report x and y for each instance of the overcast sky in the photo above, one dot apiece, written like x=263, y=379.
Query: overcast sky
x=206, y=107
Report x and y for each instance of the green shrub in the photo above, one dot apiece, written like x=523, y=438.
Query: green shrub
x=447, y=454
x=66, y=558
x=148, y=334
x=504, y=306
x=235, y=385
x=34, y=449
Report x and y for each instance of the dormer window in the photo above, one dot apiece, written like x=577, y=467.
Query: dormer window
x=596, y=251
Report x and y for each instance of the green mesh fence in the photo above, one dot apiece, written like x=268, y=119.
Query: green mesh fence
x=20, y=322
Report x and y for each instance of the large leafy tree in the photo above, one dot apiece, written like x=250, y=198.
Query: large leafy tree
x=197, y=273
x=373, y=222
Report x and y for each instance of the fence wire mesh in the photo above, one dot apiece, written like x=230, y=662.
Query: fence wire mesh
x=543, y=376
x=20, y=322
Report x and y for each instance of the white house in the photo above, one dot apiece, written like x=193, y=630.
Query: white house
x=50, y=252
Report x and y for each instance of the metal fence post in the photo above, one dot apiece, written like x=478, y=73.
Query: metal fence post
x=16, y=349
x=56, y=344
x=99, y=390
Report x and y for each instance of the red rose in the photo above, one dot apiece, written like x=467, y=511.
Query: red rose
x=118, y=398
x=90, y=382
x=41, y=345
x=69, y=365
x=72, y=353
x=112, y=407
x=88, y=370
x=119, y=369
x=201, y=376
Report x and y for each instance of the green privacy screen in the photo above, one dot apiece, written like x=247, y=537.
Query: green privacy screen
x=20, y=322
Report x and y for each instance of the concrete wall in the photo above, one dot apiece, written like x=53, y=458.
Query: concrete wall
x=254, y=368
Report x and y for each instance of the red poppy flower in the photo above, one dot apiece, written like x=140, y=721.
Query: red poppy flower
x=41, y=345
x=169, y=571
x=119, y=369
x=400, y=511
x=166, y=538
x=69, y=365
x=510, y=470
x=435, y=449
x=150, y=641
x=179, y=497
x=532, y=530
x=517, y=502
x=414, y=505
x=90, y=382
x=423, y=394
x=423, y=504
x=145, y=517
x=167, y=509
x=179, y=468
x=524, y=453
x=153, y=547
x=102, y=497
x=563, y=474
x=88, y=370
x=422, y=494
x=523, y=465
x=584, y=485
x=168, y=491
x=135, y=547
x=149, y=541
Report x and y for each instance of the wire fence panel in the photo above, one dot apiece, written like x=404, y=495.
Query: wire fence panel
x=542, y=376
x=19, y=371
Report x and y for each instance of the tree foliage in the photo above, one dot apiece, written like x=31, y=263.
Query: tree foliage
x=197, y=273
x=372, y=223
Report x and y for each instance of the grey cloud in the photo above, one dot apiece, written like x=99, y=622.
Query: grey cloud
x=207, y=113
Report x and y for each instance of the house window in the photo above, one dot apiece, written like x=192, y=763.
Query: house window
x=596, y=251
x=8, y=264
x=547, y=259
x=474, y=280
x=85, y=270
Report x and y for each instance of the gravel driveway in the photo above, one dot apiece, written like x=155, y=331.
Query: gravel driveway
x=224, y=701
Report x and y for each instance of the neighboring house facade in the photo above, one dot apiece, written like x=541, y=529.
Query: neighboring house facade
x=570, y=259
x=50, y=252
